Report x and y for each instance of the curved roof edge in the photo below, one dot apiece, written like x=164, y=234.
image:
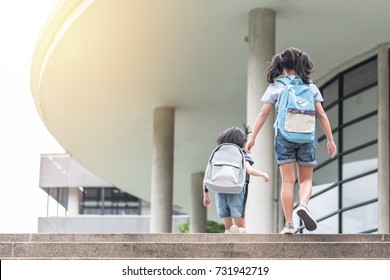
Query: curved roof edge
x=349, y=63
x=63, y=15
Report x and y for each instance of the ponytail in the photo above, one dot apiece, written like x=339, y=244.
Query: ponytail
x=275, y=68
x=304, y=67
x=290, y=59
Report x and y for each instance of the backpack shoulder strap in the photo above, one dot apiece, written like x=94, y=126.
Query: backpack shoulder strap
x=285, y=81
x=282, y=98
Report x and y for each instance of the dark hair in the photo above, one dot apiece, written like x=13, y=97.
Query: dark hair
x=234, y=135
x=291, y=59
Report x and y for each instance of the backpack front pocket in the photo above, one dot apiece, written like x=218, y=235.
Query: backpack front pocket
x=226, y=173
x=302, y=121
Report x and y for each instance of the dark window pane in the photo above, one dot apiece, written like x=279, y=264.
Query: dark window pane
x=359, y=78
x=327, y=174
x=115, y=202
x=330, y=93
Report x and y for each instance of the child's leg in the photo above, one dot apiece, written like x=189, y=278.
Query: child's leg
x=228, y=223
x=240, y=222
x=238, y=210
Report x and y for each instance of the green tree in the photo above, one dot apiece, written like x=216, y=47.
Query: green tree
x=212, y=227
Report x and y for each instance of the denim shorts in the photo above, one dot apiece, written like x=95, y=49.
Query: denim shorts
x=230, y=205
x=286, y=152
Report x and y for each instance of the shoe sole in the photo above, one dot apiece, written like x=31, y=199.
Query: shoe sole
x=287, y=231
x=308, y=221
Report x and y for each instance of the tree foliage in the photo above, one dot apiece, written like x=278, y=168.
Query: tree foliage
x=212, y=227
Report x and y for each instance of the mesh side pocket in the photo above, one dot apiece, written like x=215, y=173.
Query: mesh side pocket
x=225, y=174
x=299, y=123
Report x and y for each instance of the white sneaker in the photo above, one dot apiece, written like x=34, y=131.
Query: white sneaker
x=307, y=219
x=241, y=230
x=234, y=229
x=288, y=229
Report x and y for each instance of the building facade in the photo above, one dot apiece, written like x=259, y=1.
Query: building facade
x=139, y=94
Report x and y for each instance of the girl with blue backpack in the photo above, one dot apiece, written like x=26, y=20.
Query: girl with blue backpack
x=298, y=103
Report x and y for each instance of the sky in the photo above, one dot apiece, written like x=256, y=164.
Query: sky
x=23, y=135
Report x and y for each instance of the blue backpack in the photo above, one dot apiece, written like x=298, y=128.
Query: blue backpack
x=296, y=111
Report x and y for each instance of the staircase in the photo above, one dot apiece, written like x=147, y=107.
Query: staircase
x=194, y=246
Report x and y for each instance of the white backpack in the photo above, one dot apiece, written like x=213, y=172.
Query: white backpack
x=226, y=169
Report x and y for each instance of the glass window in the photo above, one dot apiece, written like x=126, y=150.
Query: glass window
x=358, y=158
x=322, y=149
x=330, y=93
x=361, y=219
x=327, y=174
x=361, y=104
x=359, y=97
x=321, y=206
x=325, y=203
x=92, y=211
x=91, y=193
x=355, y=164
x=360, y=190
x=333, y=116
x=108, y=193
x=115, y=202
x=360, y=133
x=319, y=131
x=327, y=226
x=360, y=77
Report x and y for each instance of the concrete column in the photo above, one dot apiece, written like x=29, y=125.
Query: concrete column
x=198, y=217
x=261, y=48
x=162, y=170
x=383, y=141
x=73, y=201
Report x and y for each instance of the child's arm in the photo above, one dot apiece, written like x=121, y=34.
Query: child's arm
x=251, y=171
x=261, y=118
x=206, y=196
x=324, y=122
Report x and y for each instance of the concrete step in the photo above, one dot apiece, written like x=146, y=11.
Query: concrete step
x=194, y=246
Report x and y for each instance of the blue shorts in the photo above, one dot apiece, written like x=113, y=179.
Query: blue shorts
x=286, y=152
x=230, y=205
